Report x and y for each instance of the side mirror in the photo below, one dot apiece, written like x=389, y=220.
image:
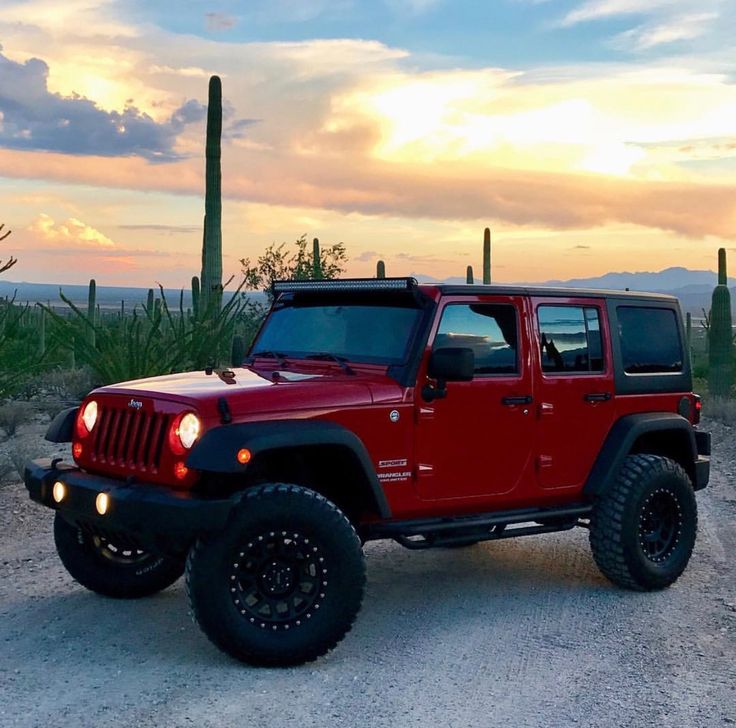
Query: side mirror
x=449, y=364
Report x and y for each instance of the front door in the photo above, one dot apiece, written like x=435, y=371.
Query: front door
x=477, y=442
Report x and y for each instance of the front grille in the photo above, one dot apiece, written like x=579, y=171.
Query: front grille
x=129, y=439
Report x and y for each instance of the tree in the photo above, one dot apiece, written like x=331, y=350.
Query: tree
x=8, y=264
x=279, y=263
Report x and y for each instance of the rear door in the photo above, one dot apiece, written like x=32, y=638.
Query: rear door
x=575, y=406
x=477, y=443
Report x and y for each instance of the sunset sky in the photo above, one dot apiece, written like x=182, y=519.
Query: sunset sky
x=589, y=135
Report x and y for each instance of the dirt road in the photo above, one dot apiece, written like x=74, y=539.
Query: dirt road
x=523, y=632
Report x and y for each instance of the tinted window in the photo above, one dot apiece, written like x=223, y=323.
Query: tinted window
x=372, y=334
x=570, y=338
x=488, y=329
x=650, y=340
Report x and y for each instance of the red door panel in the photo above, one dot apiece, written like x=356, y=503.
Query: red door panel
x=575, y=388
x=478, y=441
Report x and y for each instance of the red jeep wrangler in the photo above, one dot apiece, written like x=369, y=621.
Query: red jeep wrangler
x=434, y=415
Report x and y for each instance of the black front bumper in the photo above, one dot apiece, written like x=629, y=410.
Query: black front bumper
x=151, y=516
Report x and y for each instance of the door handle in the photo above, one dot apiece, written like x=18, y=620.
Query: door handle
x=510, y=401
x=598, y=397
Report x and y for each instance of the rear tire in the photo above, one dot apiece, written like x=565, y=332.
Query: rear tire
x=113, y=571
x=284, y=581
x=642, y=530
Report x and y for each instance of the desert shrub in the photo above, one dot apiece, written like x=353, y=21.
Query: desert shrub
x=18, y=457
x=720, y=408
x=66, y=385
x=7, y=468
x=14, y=414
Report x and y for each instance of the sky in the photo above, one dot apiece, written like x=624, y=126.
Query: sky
x=589, y=135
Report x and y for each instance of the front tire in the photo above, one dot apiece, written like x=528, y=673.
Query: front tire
x=283, y=583
x=642, y=531
x=113, y=570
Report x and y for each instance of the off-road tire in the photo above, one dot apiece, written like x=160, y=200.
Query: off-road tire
x=112, y=571
x=642, y=530
x=283, y=582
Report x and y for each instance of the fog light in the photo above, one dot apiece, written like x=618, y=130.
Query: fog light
x=77, y=450
x=244, y=456
x=181, y=470
x=59, y=491
x=102, y=503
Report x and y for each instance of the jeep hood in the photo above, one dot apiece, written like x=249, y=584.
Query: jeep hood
x=251, y=393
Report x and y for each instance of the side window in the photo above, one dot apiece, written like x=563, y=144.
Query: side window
x=650, y=340
x=490, y=330
x=570, y=338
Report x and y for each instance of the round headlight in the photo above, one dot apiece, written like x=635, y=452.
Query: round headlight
x=188, y=430
x=89, y=415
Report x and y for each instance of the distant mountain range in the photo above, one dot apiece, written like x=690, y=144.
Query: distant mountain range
x=692, y=287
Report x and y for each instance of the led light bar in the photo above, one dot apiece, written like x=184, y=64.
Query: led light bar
x=347, y=284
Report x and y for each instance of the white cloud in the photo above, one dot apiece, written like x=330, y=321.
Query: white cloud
x=70, y=233
x=685, y=27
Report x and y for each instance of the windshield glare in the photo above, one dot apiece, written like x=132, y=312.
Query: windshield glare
x=371, y=334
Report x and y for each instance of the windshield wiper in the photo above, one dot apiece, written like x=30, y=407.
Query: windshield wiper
x=280, y=358
x=326, y=356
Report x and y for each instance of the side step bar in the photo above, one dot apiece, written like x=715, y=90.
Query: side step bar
x=426, y=533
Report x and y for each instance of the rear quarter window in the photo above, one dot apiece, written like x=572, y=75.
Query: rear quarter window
x=650, y=340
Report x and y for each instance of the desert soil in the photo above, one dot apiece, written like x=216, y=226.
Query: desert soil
x=523, y=632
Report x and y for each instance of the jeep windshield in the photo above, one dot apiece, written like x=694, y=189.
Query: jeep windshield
x=369, y=333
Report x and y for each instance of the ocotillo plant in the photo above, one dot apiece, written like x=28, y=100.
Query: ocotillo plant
x=380, y=269
x=237, y=353
x=211, y=278
x=487, y=256
x=92, y=311
x=469, y=275
x=8, y=264
x=41, y=332
x=720, y=350
x=316, y=260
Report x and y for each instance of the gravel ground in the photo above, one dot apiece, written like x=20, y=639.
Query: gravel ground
x=524, y=632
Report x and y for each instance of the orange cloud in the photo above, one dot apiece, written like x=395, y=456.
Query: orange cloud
x=556, y=201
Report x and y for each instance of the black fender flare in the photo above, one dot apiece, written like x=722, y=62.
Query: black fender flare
x=620, y=441
x=61, y=428
x=217, y=450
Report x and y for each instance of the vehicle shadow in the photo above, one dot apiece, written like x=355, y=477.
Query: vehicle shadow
x=487, y=581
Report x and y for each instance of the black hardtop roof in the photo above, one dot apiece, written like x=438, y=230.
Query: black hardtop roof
x=455, y=289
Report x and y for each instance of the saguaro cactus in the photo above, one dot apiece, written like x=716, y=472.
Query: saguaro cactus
x=720, y=350
x=380, y=269
x=487, y=256
x=316, y=260
x=211, y=279
x=689, y=333
x=469, y=275
x=92, y=311
x=195, y=296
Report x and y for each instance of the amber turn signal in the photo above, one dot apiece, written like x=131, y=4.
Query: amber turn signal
x=77, y=450
x=244, y=456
